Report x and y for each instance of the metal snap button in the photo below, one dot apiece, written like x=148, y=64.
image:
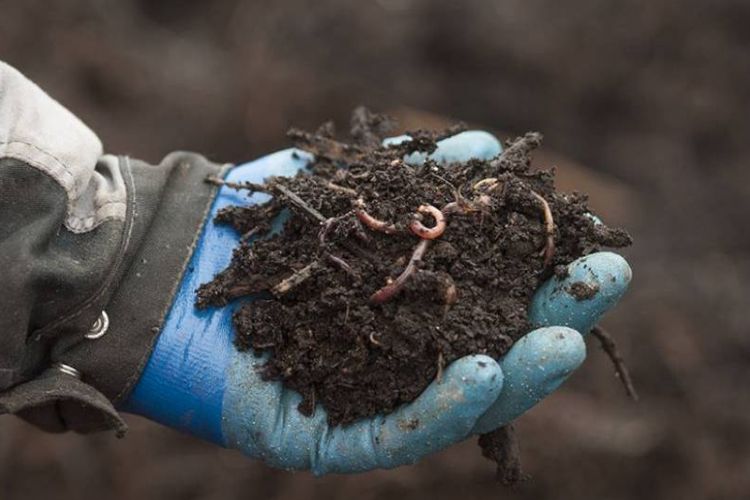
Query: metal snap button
x=67, y=370
x=99, y=328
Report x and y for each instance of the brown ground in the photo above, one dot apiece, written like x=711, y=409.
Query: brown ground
x=650, y=94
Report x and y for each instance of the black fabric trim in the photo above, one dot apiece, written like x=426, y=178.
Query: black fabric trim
x=56, y=402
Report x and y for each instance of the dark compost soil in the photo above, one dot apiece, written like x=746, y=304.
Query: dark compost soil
x=384, y=272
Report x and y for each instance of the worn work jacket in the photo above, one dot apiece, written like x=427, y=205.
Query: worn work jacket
x=92, y=248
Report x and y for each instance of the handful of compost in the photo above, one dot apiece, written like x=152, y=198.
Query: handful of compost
x=371, y=273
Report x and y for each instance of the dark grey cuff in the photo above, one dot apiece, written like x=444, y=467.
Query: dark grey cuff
x=166, y=208
x=145, y=292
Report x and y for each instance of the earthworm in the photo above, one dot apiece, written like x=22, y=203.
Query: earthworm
x=492, y=181
x=394, y=287
x=424, y=232
x=341, y=189
x=549, y=222
x=450, y=295
x=371, y=222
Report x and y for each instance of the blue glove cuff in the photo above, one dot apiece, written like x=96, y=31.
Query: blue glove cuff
x=183, y=383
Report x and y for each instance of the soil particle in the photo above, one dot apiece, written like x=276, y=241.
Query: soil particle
x=384, y=273
x=409, y=425
x=582, y=290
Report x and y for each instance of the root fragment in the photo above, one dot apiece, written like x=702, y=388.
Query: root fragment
x=250, y=186
x=242, y=290
x=424, y=232
x=343, y=265
x=296, y=279
x=549, y=223
x=440, y=367
x=325, y=147
x=501, y=446
x=621, y=369
x=245, y=237
x=270, y=188
x=341, y=189
x=294, y=199
x=393, y=288
x=299, y=202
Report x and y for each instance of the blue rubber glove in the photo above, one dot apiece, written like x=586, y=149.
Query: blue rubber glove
x=196, y=381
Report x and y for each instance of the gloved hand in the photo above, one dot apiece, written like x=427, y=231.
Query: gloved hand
x=198, y=382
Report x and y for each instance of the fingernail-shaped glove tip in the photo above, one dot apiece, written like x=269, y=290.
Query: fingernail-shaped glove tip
x=612, y=270
x=479, y=377
x=593, y=285
x=535, y=366
x=458, y=148
x=554, y=351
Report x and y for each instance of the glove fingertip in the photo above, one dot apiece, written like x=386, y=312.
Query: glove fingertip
x=536, y=366
x=464, y=146
x=544, y=357
x=593, y=285
x=477, y=378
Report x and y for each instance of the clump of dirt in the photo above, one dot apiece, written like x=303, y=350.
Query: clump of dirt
x=386, y=272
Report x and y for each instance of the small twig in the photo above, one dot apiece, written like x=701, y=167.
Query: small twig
x=271, y=188
x=266, y=345
x=446, y=182
x=370, y=221
x=325, y=229
x=521, y=146
x=341, y=189
x=610, y=347
x=294, y=198
x=250, y=233
x=549, y=222
x=440, y=367
x=250, y=186
x=325, y=147
x=429, y=233
x=299, y=202
x=297, y=278
x=501, y=446
x=343, y=265
x=394, y=287
x=241, y=290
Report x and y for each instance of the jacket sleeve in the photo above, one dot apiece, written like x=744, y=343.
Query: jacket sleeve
x=92, y=248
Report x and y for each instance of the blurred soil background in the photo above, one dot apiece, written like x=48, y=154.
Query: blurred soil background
x=644, y=104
